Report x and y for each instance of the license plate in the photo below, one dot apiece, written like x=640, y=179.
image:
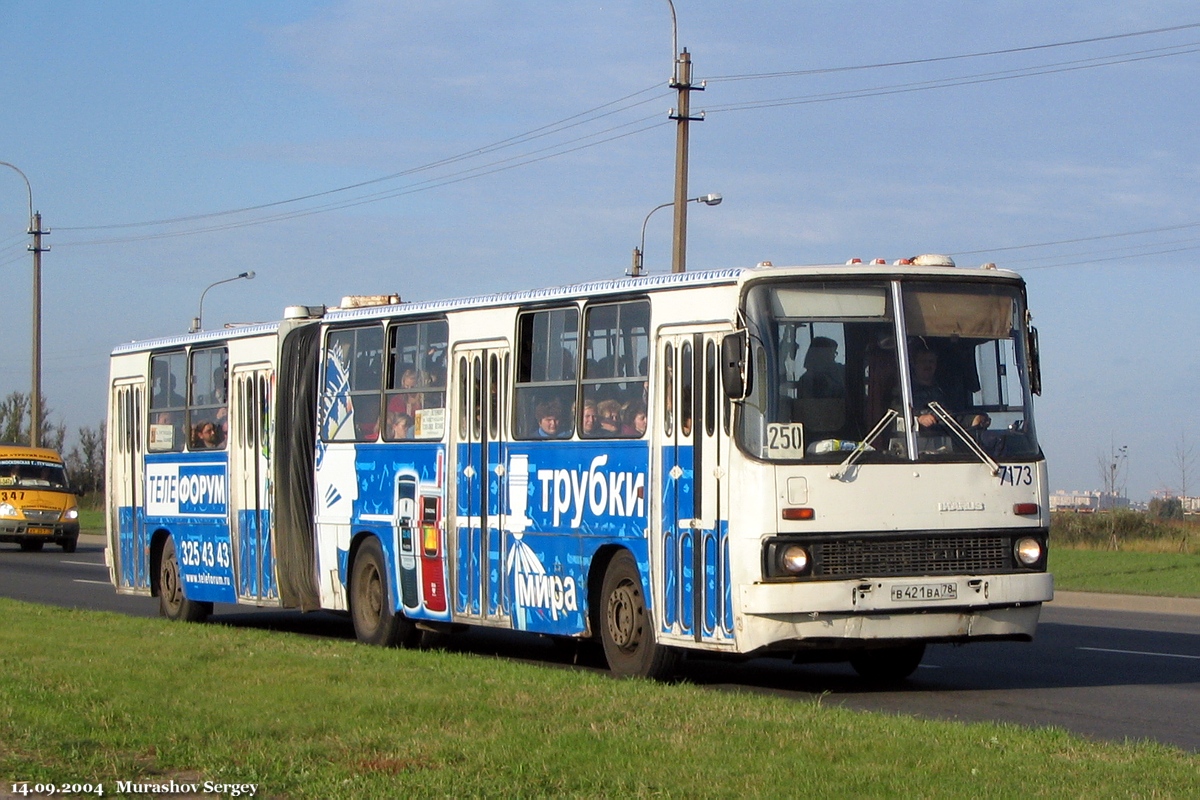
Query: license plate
x=40, y=531
x=920, y=592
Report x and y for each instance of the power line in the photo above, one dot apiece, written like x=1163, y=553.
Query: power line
x=938, y=59
x=963, y=80
x=537, y=133
x=432, y=183
x=620, y=105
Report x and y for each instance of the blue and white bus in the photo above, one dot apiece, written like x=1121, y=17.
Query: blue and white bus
x=823, y=462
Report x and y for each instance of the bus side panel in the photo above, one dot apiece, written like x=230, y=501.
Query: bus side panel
x=134, y=553
x=399, y=497
x=566, y=500
x=187, y=495
x=256, y=571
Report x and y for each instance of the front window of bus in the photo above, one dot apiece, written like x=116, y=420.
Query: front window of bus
x=826, y=372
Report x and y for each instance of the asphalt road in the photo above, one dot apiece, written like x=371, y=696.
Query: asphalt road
x=1105, y=673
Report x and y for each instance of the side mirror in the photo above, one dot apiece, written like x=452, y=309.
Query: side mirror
x=1035, y=361
x=735, y=368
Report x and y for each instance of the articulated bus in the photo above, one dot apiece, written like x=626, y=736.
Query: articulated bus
x=835, y=462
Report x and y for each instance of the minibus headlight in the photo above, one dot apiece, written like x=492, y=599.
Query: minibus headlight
x=1028, y=551
x=71, y=514
x=794, y=559
x=7, y=510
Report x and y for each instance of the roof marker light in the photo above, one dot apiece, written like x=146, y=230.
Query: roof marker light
x=853, y=261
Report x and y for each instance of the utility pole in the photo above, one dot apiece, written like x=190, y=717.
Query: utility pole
x=35, y=397
x=682, y=81
x=35, y=230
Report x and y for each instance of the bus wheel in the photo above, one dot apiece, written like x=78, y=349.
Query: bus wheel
x=69, y=545
x=374, y=620
x=888, y=664
x=626, y=626
x=172, y=601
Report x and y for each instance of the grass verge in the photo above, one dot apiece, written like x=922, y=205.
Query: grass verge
x=1126, y=572
x=97, y=697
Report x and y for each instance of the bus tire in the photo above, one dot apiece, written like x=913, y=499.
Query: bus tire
x=172, y=600
x=375, y=622
x=69, y=545
x=888, y=664
x=627, y=626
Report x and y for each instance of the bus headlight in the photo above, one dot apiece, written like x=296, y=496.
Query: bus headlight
x=794, y=559
x=7, y=510
x=71, y=514
x=1028, y=551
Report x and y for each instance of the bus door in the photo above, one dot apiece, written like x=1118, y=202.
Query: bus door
x=127, y=543
x=480, y=549
x=693, y=417
x=249, y=476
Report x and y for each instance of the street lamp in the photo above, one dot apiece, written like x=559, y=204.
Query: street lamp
x=197, y=323
x=638, y=252
x=35, y=392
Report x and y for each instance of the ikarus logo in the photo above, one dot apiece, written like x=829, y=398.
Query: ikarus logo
x=612, y=493
x=187, y=489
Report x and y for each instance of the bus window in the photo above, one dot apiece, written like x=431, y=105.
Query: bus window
x=547, y=354
x=616, y=366
x=353, y=378
x=685, y=389
x=168, y=379
x=416, y=381
x=668, y=392
x=208, y=411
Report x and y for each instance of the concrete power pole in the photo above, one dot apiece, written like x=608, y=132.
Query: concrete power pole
x=682, y=115
x=35, y=394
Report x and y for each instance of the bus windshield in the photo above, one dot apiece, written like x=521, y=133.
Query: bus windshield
x=826, y=372
x=23, y=474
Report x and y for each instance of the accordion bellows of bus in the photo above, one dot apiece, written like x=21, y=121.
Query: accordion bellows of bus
x=824, y=462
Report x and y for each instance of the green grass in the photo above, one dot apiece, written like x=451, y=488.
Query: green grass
x=1126, y=572
x=97, y=697
x=91, y=520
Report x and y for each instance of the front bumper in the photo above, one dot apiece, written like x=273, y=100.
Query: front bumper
x=841, y=612
x=18, y=531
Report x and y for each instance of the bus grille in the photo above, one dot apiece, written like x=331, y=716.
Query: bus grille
x=919, y=556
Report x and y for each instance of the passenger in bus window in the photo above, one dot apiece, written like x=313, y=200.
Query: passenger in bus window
x=206, y=436
x=400, y=426
x=549, y=420
x=824, y=377
x=366, y=421
x=635, y=419
x=588, y=423
x=608, y=413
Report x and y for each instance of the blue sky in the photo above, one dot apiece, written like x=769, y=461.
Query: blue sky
x=134, y=112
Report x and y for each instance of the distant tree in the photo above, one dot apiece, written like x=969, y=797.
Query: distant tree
x=14, y=410
x=85, y=462
x=14, y=422
x=1166, y=508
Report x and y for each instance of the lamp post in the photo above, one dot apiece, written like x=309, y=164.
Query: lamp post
x=198, y=322
x=35, y=392
x=638, y=252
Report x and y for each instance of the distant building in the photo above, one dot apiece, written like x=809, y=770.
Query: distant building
x=1086, y=502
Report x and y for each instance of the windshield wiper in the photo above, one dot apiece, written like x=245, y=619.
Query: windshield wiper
x=950, y=422
x=840, y=473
